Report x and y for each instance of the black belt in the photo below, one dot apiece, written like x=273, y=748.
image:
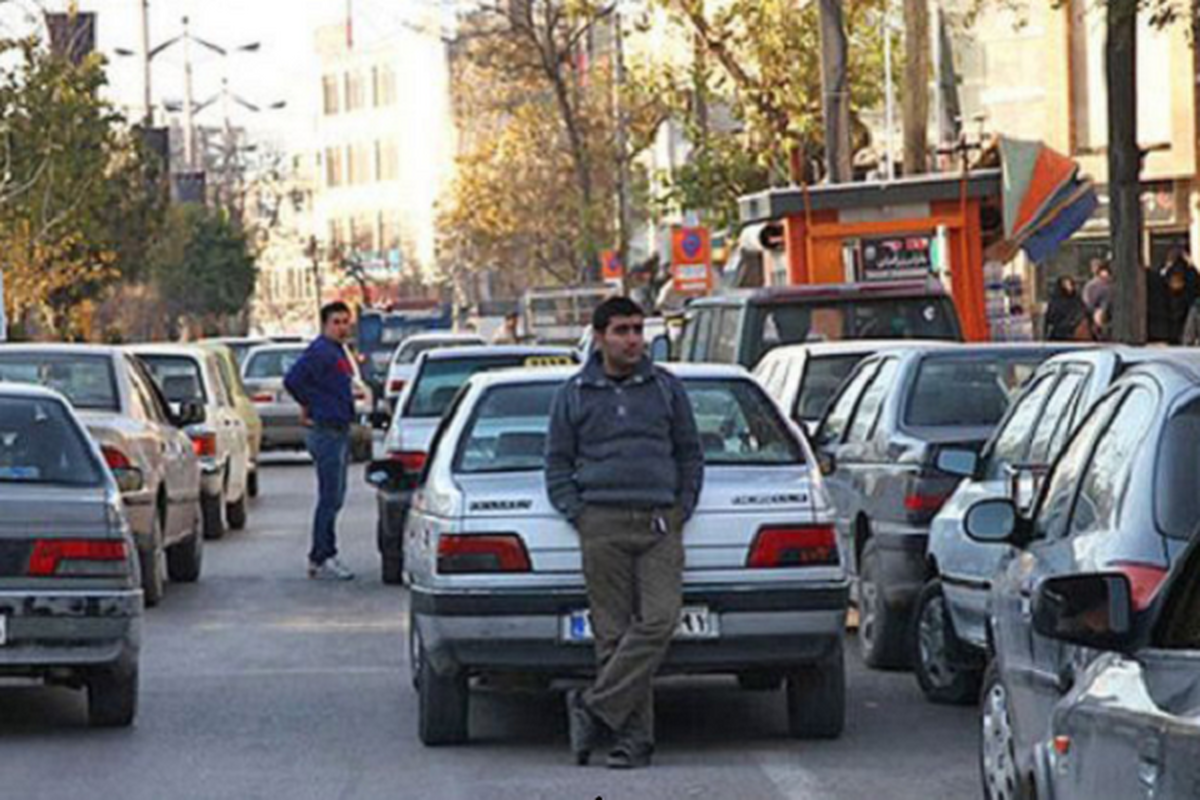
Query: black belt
x=333, y=426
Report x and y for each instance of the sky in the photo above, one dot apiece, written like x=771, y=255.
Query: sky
x=285, y=68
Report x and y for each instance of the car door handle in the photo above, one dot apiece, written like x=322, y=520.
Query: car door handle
x=1149, y=762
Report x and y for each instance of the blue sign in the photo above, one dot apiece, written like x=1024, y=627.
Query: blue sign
x=692, y=244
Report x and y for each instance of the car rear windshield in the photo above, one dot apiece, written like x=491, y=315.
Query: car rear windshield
x=88, y=382
x=39, y=444
x=271, y=364
x=738, y=426
x=177, y=376
x=861, y=318
x=410, y=351
x=440, y=379
x=967, y=390
x=822, y=377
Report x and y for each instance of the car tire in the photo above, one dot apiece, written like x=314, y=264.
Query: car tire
x=213, y=509
x=760, y=681
x=236, y=513
x=936, y=658
x=185, y=558
x=152, y=566
x=881, y=631
x=392, y=568
x=816, y=698
x=252, y=483
x=443, y=702
x=112, y=696
x=999, y=770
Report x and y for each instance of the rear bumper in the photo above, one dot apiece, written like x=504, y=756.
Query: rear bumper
x=773, y=628
x=64, y=629
x=902, y=556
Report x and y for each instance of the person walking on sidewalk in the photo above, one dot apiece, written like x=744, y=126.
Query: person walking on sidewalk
x=624, y=463
x=322, y=383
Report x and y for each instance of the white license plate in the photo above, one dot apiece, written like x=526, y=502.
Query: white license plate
x=695, y=622
x=3, y=630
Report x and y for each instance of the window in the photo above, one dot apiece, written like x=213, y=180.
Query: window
x=387, y=161
x=383, y=79
x=220, y=388
x=358, y=159
x=329, y=91
x=1054, y=424
x=1010, y=445
x=725, y=345
x=1051, y=519
x=356, y=92
x=843, y=406
x=1177, y=475
x=702, y=324
x=440, y=379
x=871, y=405
x=88, y=382
x=334, y=174
x=179, y=377
x=39, y=444
x=143, y=395
x=271, y=363
x=738, y=425
x=507, y=432
x=822, y=377
x=1102, y=490
x=982, y=385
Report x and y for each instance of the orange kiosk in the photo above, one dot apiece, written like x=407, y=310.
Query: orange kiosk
x=896, y=230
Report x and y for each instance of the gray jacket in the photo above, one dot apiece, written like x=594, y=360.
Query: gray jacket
x=632, y=443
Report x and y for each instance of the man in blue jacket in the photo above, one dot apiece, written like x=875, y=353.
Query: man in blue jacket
x=322, y=383
x=624, y=463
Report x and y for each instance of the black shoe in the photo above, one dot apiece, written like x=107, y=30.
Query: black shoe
x=587, y=731
x=626, y=755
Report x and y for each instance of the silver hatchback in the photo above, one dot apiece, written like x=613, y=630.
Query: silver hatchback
x=496, y=575
x=70, y=602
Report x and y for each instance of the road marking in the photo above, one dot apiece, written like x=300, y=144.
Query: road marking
x=793, y=781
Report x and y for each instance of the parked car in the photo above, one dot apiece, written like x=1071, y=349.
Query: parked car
x=741, y=327
x=879, y=444
x=143, y=441
x=439, y=375
x=231, y=373
x=1128, y=725
x=240, y=345
x=496, y=577
x=1121, y=498
x=403, y=365
x=263, y=374
x=189, y=374
x=71, y=609
x=951, y=636
x=803, y=378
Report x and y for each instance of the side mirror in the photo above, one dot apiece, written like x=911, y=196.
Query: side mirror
x=190, y=412
x=826, y=462
x=380, y=420
x=992, y=521
x=960, y=463
x=129, y=479
x=1094, y=611
x=660, y=349
x=387, y=474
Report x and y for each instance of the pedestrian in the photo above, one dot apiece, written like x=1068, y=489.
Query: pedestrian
x=624, y=463
x=1097, y=296
x=1183, y=289
x=322, y=383
x=1066, y=316
x=509, y=332
x=1158, y=331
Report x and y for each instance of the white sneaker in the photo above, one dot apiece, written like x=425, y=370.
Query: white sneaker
x=330, y=570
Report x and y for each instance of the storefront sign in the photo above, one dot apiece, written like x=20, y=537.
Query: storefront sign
x=896, y=258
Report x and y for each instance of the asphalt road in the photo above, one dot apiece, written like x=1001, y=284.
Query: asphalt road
x=258, y=683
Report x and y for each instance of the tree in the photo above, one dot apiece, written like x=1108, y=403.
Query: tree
x=916, y=86
x=1124, y=169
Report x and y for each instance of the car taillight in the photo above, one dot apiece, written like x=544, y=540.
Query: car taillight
x=924, y=503
x=262, y=397
x=460, y=554
x=396, y=385
x=79, y=558
x=205, y=444
x=359, y=396
x=794, y=546
x=1144, y=581
x=115, y=458
x=411, y=460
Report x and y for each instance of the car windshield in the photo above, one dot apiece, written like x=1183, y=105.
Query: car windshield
x=408, y=352
x=440, y=379
x=738, y=426
x=177, y=376
x=268, y=364
x=982, y=385
x=40, y=445
x=87, y=381
x=822, y=377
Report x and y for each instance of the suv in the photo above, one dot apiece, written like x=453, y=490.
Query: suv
x=739, y=328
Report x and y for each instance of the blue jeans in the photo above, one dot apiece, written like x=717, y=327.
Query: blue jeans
x=330, y=450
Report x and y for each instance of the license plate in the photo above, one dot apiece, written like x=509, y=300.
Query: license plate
x=695, y=622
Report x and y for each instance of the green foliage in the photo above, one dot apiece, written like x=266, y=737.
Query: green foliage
x=202, y=265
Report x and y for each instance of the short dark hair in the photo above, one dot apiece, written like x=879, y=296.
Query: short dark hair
x=329, y=309
x=614, y=307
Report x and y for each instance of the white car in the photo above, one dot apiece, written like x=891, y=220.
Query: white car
x=191, y=374
x=404, y=361
x=496, y=577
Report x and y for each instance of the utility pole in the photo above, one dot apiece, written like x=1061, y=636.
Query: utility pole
x=147, y=97
x=624, y=215
x=189, y=127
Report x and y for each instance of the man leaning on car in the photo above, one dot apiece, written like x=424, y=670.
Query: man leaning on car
x=624, y=463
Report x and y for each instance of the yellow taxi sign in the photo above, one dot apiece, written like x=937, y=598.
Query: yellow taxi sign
x=549, y=361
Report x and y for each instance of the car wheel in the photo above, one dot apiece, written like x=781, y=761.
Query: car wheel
x=934, y=649
x=213, y=509
x=112, y=696
x=760, y=681
x=392, y=568
x=1002, y=779
x=185, y=558
x=443, y=701
x=236, y=513
x=153, y=565
x=880, y=628
x=252, y=483
x=816, y=698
